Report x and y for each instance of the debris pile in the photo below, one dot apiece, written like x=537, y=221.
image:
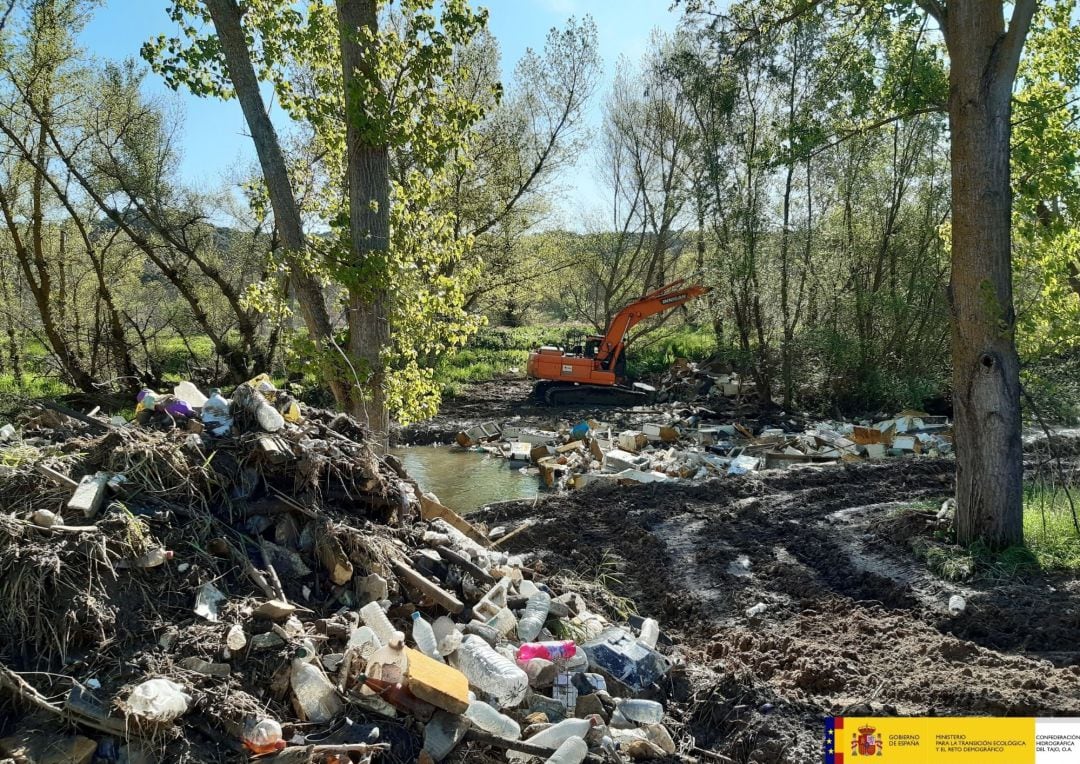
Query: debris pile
x=688, y=381
x=279, y=589
x=682, y=442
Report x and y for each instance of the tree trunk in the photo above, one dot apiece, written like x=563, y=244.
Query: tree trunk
x=226, y=15
x=986, y=383
x=369, y=219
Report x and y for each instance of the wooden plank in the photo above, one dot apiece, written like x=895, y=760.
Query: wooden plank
x=430, y=588
x=56, y=477
x=430, y=510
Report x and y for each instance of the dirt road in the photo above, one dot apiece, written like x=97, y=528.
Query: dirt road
x=853, y=622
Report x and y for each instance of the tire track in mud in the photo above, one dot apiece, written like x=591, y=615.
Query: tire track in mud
x=853, y=622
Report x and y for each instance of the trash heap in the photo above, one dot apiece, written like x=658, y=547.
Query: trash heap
x=177, y=590
x=684, y=442
x=688, y=381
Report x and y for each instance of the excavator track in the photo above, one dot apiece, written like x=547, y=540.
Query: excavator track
x=569, y=394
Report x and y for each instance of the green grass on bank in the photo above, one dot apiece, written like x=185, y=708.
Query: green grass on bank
x=1051, y=542
x=1048, y=526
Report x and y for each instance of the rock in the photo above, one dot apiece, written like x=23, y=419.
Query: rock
x=43, y=518
x=266, y=641
x=533, y=729
x=274, y=610
x=644, y=750
x=536, y=717
x=589, y=704
x=334, y=559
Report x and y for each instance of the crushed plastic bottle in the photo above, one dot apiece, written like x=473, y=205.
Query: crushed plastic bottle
x=424, y=637
x=491, y=672
x=188, y=392
x=503, y=622
x=372, y=614
x=957, y=604
x=551, y=651
x=315, y=695
x=573, y=750
x=158, y=700
x=364, y=641
x=536, y=613
x=447, y=634
x=215, y=414
x=554, y=736
x=649, y=633
x=484, y=717
x=263, y=736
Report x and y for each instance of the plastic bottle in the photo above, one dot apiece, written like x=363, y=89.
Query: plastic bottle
x=151, y=559
x=482, y=630
x=573, y=750
x=314, y=693
x=536, y=612
x=424, y=637
x=268, y=417
x=373, y=615
x=490, y=720
x=490, y=672
x=641, y=711
x=554, y=736
x=446, y=634
x=215, y=413
x=364, y=641
x=551, y=651
x=263, y=736
x=650, y=630
x=503, y=622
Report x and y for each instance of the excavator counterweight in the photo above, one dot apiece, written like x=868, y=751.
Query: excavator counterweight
x=596, y=373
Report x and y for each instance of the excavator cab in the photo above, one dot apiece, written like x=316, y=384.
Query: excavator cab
x=594, y=371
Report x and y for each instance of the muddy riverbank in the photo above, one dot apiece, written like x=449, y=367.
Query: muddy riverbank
x=853, y=621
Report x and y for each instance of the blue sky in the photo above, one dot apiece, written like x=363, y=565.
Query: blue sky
x=214, y=136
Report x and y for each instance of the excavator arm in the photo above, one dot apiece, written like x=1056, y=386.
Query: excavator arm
x=663, y=299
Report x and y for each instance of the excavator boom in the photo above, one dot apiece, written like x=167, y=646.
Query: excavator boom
x=597, y=377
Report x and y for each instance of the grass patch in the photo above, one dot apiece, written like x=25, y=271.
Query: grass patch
x=655, y=353
x=496, y=352
x=1048, y=526
x=1051, y=542
x=32, y=386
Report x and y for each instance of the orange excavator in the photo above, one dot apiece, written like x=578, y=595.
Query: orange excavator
x=595, y=373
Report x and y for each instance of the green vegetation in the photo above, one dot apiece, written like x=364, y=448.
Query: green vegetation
x=1051, y=541
x=1049, y=529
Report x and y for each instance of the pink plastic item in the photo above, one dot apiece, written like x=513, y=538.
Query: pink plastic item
x=551, y=651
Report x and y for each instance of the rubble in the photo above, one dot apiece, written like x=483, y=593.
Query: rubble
x=691, y=443
x=236, y=594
